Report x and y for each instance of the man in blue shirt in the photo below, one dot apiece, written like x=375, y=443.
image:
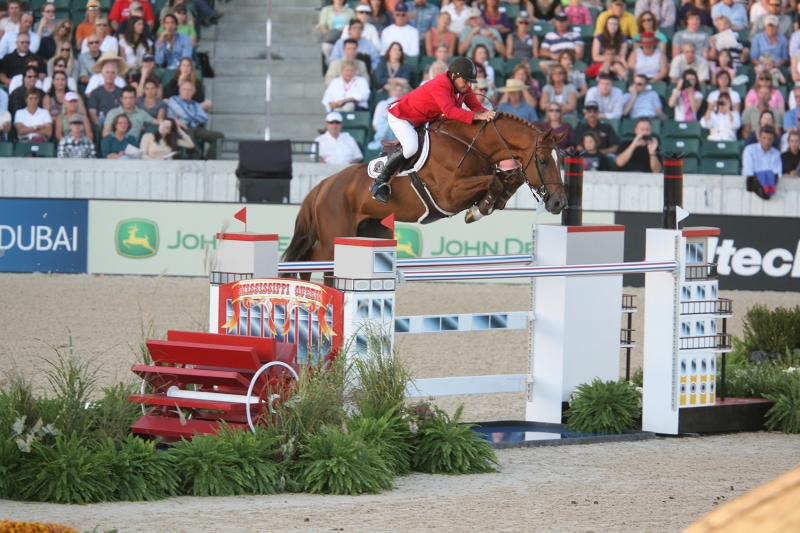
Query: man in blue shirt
x=192, y=119
x=770, y=41
x=365, y=46
x=422, y=16
x=735, y=12
x=762, y=156
x=641, y=101
x=171, y=47
x=515, y=104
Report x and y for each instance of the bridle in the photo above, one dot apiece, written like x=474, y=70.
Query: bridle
x=539, y=193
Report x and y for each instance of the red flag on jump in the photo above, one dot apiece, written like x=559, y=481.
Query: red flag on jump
x=242, y=215
x=389, y=222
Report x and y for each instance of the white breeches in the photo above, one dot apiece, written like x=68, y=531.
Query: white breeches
x=406, y=134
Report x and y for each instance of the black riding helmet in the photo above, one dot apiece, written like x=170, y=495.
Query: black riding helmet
x=463, y=67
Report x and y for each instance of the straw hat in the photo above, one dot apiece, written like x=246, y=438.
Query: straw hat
x=513, y=85
x=122, y=65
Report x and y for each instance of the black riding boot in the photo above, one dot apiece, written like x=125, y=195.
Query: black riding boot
x=381, y=190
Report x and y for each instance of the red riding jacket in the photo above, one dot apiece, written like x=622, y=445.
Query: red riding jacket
x=434, y=100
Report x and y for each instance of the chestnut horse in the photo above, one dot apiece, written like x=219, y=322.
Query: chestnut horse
x=462, y=172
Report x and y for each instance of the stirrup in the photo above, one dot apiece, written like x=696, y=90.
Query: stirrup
x=379, y=194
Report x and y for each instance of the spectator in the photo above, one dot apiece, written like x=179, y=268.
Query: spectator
x=392, y=68
x=765, y=120
x=663, y=9
x=560, y=91
x=3, y=100
x=370, y=32
x=380, y=118
x=477, y=33
x=762, y=160
x=790, y=159
x=627, y=21
x=480, y=57
x=52, y=44
x=485, y=94
x=121, y=10
x=724, y=87
x=436, y=68
x=350, y=48
x=97, y=78
x=170, y=8
x=685, y=98
x=72, y=105
x=701, y=6
x=770, y=41
x=381, y=17
x=577, y=78
x=514, y=103
x=171, y=46
x=688, y=60
x=108, y=43
x=336, y=147
x=592, y=158
x=609, y=140
x=184, y=26
x=146, y=72
x=727, y=40
x=641, y=101
x=135, y=10
x=555, y=122
x=611, y=37
x=11, y=21
x=364, y=46
x=76, y=145
x=134, y=44
x=71, y=66
x=519, y=45
x=543, y=10
x=496, y=19
x=191, y=117
x=150, y=102
x=348, y=92
x=768, y=66
x=648, y=60
x=722, y=121
x=481, y=75
x=578, y=14
x=776, y=100
x=332, y=20
x=115, y=144
x=789, y=119
x=734, y=11
x=522, y=72
x=8, y=43
x=57, y=89
x=439, y=36
x=33, y=124
x=459, y=13
x=18, y=97
x=401, y=32
x=14, y=62
x=784, y=21
x=422, y=16
x=166, y=142
x=752, y=115
x=30, y=61
x=611, y=64
x=5, y=124
x=86, y=28
x=640, y=154
x=724, y=63
x=87, y=60
x=648, y=22
x=561, y=38
x=106, y=96
x=187, y=72
x=794, y=42
x=693, y=35
x=138, y=118
x=607, y=97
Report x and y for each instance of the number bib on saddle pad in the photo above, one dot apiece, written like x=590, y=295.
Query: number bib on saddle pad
x=375, y=167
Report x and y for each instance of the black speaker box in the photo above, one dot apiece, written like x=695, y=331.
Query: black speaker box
x=265, y=171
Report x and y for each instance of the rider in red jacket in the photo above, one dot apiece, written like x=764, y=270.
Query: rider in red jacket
x=441, y=97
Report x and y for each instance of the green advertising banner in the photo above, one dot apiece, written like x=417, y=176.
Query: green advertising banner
x=178, y=238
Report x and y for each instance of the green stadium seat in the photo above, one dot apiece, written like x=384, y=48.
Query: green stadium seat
x=539, y=29
x=572, y=120
x=729, y=167
x=166, y=75
x=685, y=130
x=744, y=36
x=39, y=149
x=722, y=149
x=425, y=62
x=512, y=10
x=6, y=149
x=622, y=85
x=375, y=97
x=668, y=33
x=690, y=165
x=412, y=62
x=359, y=135
x=671, y=144
x=498, y=64
x=369, y=155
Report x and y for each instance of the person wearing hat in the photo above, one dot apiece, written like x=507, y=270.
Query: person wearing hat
x=627, y=22
x=98, y=72
x=785, y=23
x=121, y=10
x=146, y=72
x=519, y=44
x=370, y=32
x=647, y=59
x=72, y=104
x=515, y=105
x=172, y=46
x=401, y=32
x=76, y=145
x=86, y=27
x=770, y=41
x=560, y=39
x=478, y=33
x=336, y=147
x=106, y=95
x=441, y=96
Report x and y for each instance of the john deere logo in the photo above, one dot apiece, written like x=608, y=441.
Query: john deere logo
x=409, y=242
x=137, y=238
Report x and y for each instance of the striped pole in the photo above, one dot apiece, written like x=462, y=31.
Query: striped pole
x=423, y=262
x=673, y=190
x=572, y=215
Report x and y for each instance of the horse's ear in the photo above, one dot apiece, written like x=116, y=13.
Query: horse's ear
x=559, y=136
x=547, y=134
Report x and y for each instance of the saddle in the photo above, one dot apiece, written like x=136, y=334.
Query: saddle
x=414, y=164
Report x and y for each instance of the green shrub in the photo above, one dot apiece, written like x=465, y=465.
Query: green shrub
x=774, y=332
x=388, y=435
x=637, y=378
x=10, y=458
x=446, y=447
x=752, y=380
x=139, y=471
x=74, y=470
x=785, y=414
x=112, y=414
x=604, y=407
x=381, y=379
x=255, y=459
x=208, y=466
x=332, y=461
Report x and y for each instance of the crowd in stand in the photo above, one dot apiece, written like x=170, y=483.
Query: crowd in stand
x=626, y=81
x=104, y=80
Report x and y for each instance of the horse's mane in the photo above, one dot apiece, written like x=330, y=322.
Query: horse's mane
x=519, y=119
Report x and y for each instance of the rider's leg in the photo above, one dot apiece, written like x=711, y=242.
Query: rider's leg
x=409, y=143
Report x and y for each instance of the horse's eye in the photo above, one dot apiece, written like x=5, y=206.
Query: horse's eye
x=542, y=160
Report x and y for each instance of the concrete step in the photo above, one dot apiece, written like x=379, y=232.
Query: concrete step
x=296, y=127
x=294, y=31
x=241, y=68
x=296, y=50
x=254, y=31
x=245, y=14
x=236, y=51
x=283, y=4
x=297, y=105
x=234, y=124
x=298, y=88
x=296, y=16
x=289, y=68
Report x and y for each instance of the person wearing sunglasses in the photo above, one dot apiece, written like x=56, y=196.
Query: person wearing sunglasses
x=335, y=146
x=664, y=9
x=14, y=63
x=519, y=44
x=9, y=41
x=87, y=60
x=47, y=23
x=30, y=80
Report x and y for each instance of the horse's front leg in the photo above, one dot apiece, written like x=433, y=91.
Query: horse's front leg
x=493, y=187
x=510, y=187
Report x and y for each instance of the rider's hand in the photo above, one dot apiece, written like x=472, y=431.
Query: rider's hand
x=485, y=115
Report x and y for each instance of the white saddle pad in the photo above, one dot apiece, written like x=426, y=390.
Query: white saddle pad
x=375, y=167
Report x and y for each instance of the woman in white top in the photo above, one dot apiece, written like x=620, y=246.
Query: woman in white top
x=108, y=43
x=480, y=56
x=134, y=45
x=33, y=123
x=648, y=59
x=162, y=144
x=459, y=15
x=723, y=122
x=347, y=92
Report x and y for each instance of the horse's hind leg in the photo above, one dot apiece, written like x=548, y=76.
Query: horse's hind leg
x=486, y=204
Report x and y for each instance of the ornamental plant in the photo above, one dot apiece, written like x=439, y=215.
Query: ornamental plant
x=773, y=332
x=604, y=407
x=785, y=414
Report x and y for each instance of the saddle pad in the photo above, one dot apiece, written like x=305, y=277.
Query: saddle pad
x=375, y=167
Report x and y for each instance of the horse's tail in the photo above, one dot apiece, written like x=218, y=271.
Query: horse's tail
x=305, y=231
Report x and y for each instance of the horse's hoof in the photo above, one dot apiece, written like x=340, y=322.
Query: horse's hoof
x=473, y=215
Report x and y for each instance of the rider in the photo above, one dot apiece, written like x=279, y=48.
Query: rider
x=440, y=97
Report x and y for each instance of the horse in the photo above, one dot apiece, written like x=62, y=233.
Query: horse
x=463, y=172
